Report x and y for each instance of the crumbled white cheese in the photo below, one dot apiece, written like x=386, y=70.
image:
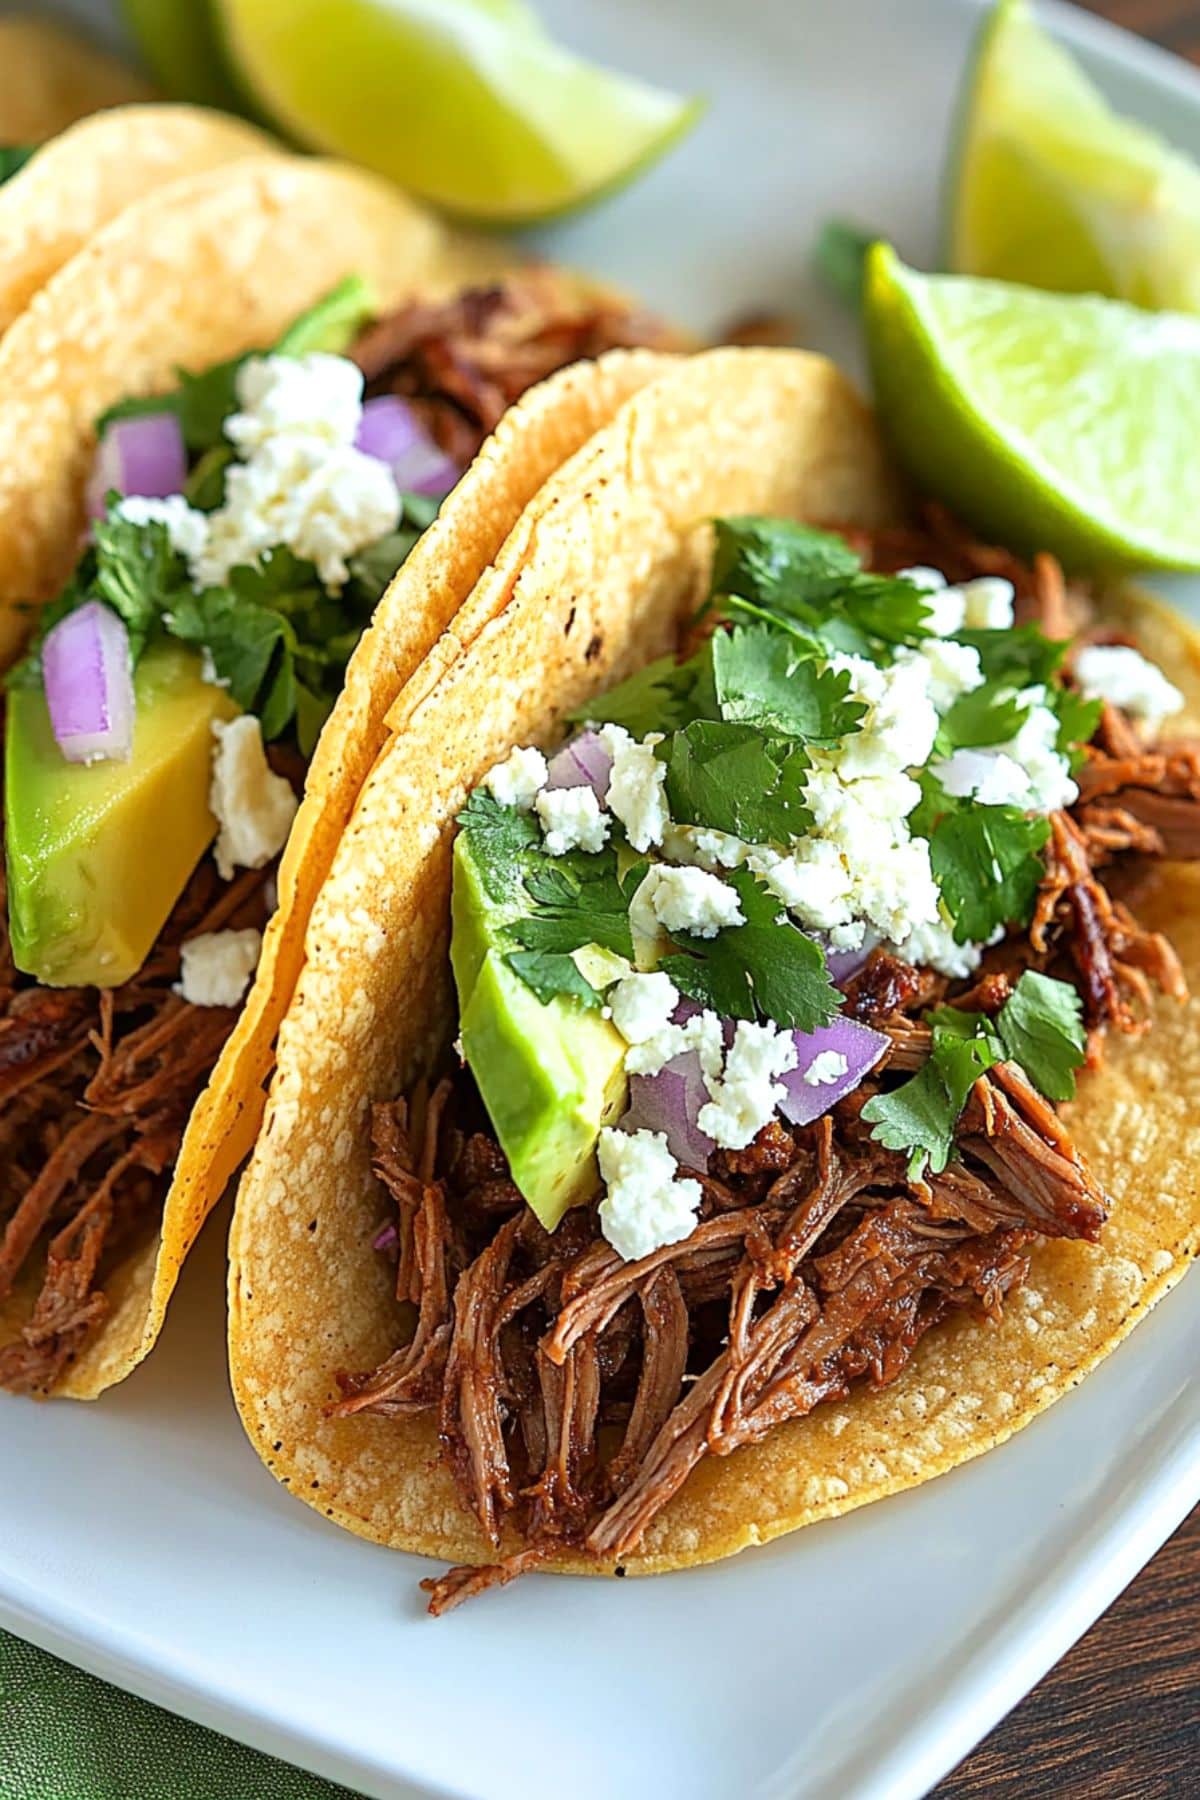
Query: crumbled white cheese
x=216, y=967
x=987, y=603
x=1027, y=771
x=953, y=670
x=324, y=502
x=947, y=608
x=813, y=882
x=253, y=806
x=519, y=779
x=900, y=723
x=748, y=1091
x=646, y=1206
x=706, y=849
x=860, y=866
x=636, y=786
x=990, y=776
x=703, y=1033
x=932, y=946
x=1119, y=674
x=826, y=1067
x=571, y=820
x=186, y=528
x=688, y=900
x=312, y=396
x=922, y=576
x=642, y=1005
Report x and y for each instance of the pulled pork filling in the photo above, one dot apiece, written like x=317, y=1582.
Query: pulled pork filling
x=96, y=1085
x=574, y=1392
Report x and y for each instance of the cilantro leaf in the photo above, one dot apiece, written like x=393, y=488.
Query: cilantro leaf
x=578, y=900
x=777, y=563
x=765, y=968
x=764, y=678
x=1041, y=1027
x=841, y=256
x=201, y=403
x=661, y=697
x=137, y=573
x=501, y=840
x=1021, y=655
x=885, y=609
x=920, y=1116
x=987, y=864
x=1077, y=718
x=551, y=973
x=990, y=714
x=737, y=778
x=13, y=157
x=204, y=487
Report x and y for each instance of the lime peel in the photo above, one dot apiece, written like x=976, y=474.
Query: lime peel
x=1047, y=421
x=465, y=102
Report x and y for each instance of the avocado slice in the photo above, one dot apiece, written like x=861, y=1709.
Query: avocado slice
x=550, y=1074
x=99, y=853
x=334, y=322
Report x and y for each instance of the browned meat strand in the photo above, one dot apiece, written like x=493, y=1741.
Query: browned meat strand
x=464, y=361
x=95, y=1091
x=574, y=1392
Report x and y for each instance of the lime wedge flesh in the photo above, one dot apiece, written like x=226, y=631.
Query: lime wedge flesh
x=1048, y=185
x=466, y=102
x=1047, y=421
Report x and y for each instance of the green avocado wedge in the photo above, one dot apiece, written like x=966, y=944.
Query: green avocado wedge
x=98, y=854
x=1059, y=422
x=550, y=1075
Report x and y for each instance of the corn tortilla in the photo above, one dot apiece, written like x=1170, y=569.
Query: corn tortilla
x=73, y=186
x=189, y=276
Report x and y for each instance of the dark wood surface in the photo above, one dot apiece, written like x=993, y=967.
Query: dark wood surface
x=1119, y=1718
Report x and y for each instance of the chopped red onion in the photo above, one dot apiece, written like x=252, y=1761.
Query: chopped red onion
x=584, y=762
x=391, y=432
x=386, y=1239
x=670, y=1102
x=862, y=1049
x=88, y=679
x=144, y=456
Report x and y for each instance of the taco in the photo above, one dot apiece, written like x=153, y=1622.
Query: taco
x=49, y=77
x=247, y=520
x=54, y=198
x=742, y=1065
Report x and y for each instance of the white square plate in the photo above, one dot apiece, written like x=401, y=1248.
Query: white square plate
x=861, y=1658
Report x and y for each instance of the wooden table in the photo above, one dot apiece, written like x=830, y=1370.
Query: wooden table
x=1119, y=1718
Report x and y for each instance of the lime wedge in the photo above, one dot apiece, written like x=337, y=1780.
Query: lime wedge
x=466, y=102
x=1048, y=185
x=1048, y=421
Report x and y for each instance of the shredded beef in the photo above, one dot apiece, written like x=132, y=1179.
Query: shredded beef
x=574, y=1392
x=464, y=361
x=95, y=1091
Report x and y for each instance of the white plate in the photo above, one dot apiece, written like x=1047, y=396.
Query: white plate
x=142, y=1539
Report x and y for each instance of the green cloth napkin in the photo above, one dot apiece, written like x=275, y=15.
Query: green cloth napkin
x=66, y=1736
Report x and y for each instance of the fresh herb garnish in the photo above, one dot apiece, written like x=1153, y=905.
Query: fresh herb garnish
x=797, y=576
x=739, y=779
x=763, y=678
x=1040, y=1027
x=13, y=157
x=920, y=1116
x=551, y=973
x=991, y=714
x=504, y=843
x=986, y=861
x=766, y=968
x=661, y=697
x=840, y=255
